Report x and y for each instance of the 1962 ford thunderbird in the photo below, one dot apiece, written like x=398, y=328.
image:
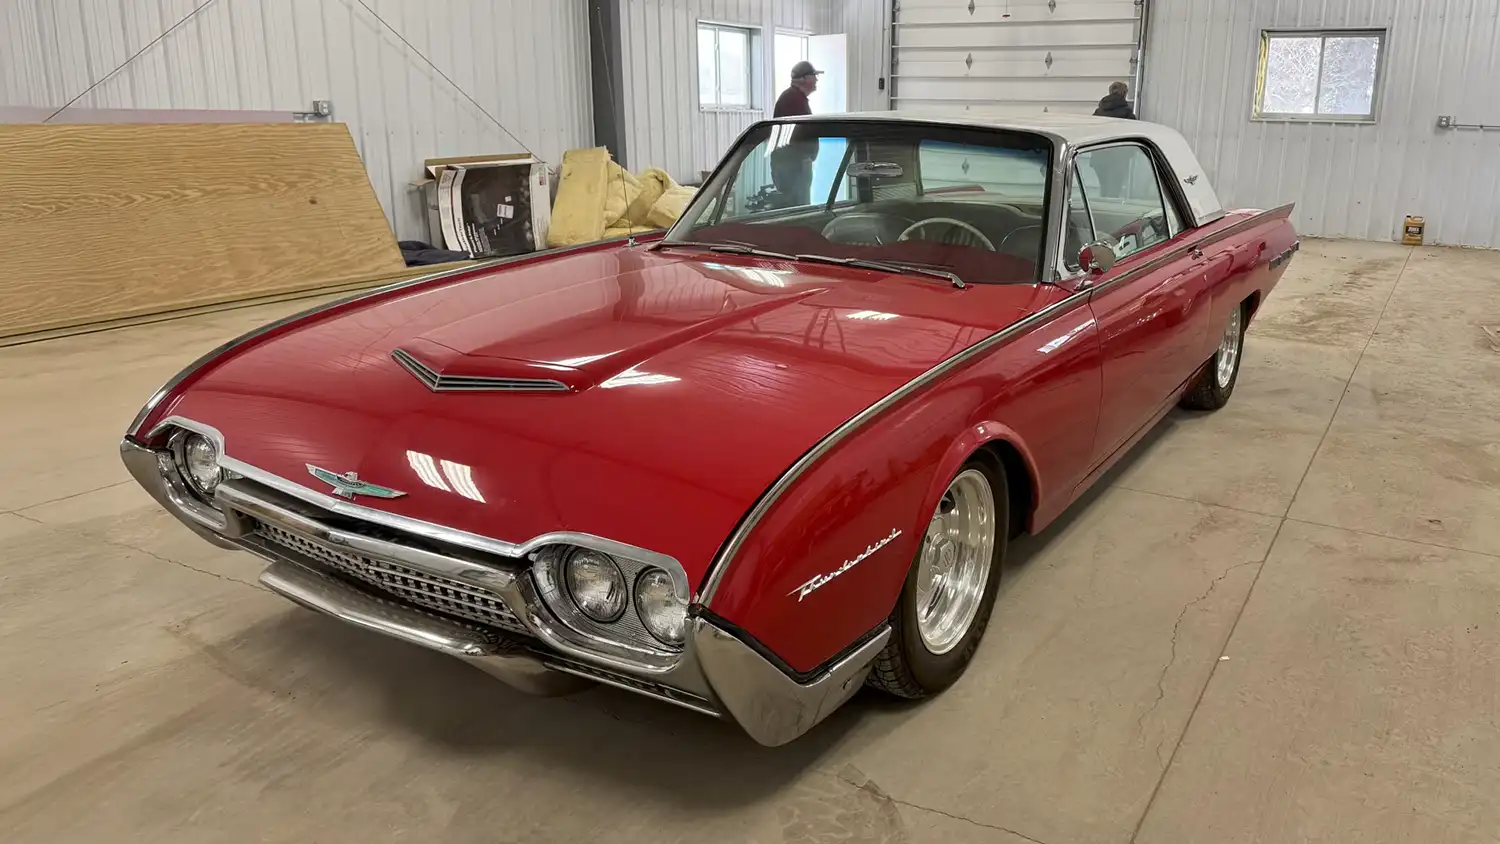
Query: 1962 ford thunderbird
x=754, y=463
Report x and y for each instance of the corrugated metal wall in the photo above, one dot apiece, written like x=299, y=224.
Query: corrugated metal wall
x=524, y=62
x=866, y=22
x=664, y=126
x=1348, y=180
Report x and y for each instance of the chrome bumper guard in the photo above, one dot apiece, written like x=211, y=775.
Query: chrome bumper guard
x=719, y=674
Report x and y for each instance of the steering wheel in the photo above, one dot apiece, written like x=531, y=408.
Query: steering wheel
x=975, y=237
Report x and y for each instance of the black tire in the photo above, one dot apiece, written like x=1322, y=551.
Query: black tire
x=905, y=667
x=1206, y=393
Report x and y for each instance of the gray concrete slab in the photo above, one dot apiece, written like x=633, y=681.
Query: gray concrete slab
x=1356, y=702
x=153, y=693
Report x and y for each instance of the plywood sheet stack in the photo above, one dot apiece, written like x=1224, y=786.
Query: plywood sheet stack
x=103, y=224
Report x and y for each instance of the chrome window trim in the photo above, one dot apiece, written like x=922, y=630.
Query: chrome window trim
x=177, y=380
x=731, y=548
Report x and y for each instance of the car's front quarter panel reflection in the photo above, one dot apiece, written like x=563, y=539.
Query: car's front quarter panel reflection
x=1043, y=381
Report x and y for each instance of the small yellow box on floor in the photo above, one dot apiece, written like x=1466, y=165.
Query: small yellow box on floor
x=1412, y=234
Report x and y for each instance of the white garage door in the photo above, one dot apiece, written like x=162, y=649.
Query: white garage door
x=1047, y=55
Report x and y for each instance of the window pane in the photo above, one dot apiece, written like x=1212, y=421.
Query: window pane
x=1080, y=231
x=734, y=67
x=959, y=167
x=778, y=179
x=1349, y=76
x=1291, y=85
x=708, y=79
x=1124, y=198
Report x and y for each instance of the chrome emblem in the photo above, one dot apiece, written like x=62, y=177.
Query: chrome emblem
x=349, y=485
x=822, y=580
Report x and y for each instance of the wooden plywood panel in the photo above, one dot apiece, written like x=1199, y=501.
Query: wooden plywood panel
x=101, y=223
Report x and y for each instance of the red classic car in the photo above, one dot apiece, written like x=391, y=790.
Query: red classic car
x=754, y=463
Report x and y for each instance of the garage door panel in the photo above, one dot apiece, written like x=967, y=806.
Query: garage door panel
x=1038, y=90
x=1020, y=63
x=1054, y=55
x=1016, y=12
x=978, y=37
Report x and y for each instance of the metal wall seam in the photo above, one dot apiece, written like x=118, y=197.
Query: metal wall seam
x=1349, y=180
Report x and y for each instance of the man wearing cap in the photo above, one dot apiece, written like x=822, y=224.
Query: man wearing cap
x=793, y=101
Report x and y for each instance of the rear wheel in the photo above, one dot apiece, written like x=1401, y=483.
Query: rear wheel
x=949, y=594
x=1215, y=384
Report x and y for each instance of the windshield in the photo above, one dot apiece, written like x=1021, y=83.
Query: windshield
x=968, y=201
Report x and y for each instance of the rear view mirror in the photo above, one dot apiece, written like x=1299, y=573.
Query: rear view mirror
x=1097, y=258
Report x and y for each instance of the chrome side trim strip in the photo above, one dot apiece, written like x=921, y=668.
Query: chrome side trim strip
x=741, y=534
x=176, y=380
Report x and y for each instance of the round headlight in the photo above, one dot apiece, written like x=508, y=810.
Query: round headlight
x=596, y=584
x=200, y=462
x=661, y=611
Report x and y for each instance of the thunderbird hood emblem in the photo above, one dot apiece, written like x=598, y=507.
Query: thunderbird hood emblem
x=349, y=485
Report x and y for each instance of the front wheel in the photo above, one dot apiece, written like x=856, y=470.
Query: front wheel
x=1215, y=384
x=950, y=590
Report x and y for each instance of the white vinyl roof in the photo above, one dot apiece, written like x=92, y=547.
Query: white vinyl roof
x=1076, y=130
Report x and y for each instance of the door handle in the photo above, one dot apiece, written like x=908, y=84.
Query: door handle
x=1196, y=251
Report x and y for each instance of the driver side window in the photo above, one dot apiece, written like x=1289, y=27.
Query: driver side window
x=1124, y=198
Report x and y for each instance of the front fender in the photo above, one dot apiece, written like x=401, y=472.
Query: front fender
x=989, y=433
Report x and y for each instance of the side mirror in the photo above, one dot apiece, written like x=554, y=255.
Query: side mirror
x=1097, y=258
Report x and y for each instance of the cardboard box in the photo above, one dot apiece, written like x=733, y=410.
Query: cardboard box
x=489, y=206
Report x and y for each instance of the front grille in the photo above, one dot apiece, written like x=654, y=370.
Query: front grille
x=428, y=591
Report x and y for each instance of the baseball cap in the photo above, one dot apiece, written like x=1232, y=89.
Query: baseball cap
x=801, y=69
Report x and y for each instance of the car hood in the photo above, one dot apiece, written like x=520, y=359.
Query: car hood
x=647, y=397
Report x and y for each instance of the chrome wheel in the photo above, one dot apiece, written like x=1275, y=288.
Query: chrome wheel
x=1229, y=351
x=955, y=562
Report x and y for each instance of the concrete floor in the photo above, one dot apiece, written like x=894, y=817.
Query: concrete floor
x=1277, y=623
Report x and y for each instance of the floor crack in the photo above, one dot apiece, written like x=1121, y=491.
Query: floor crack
x=995, y=827
x=1161, y=681
x=128, y=547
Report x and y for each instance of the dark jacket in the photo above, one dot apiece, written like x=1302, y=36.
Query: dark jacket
x=1115, y=105
x=791, y=103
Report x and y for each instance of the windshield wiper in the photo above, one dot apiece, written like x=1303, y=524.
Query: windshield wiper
x=733, y=248
x=898, y=267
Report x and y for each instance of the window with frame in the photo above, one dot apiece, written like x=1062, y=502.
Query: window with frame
x=1118, y=198
x=1324, y=75
x=724, y=66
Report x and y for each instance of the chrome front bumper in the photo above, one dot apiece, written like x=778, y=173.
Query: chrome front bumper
x=718, y=675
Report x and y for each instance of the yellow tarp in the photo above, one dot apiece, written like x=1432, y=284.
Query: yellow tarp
x=598, y=199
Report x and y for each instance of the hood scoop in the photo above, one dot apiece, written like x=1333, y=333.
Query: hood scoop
x=452, y=383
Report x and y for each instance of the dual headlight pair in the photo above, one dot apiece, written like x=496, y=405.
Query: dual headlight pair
x=601, y=592
x=198, y=460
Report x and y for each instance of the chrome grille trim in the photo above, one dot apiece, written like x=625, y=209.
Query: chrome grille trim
x=473, y=383
x=428, y=591
x=630, y=684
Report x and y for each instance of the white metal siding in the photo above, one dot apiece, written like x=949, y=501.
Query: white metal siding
x=1348, y=180
x=525, y=62
x=1047, y=55
x=664, y=126
x=867, y=24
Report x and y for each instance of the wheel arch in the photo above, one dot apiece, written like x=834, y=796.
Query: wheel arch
x=998, y=442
